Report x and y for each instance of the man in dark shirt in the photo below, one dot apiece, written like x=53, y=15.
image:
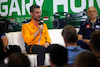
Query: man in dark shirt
x=3, y=44
x=5, y=49
x=87, y=27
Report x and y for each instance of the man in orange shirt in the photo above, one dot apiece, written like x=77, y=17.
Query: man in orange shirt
x=36, y=35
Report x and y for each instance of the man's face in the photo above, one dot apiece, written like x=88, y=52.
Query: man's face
x=92, y=13
x=36, y=14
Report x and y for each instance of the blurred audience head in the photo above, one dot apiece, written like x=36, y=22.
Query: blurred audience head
x=18, y=60
x=58, y=56
x=95, y=41
x=85, y=59
x=69, y=34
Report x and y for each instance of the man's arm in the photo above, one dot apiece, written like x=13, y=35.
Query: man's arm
x=80, y=37
x=28, y=37
x=80, y=34
x=40, y=29
x=48, y=41
x=5, y=41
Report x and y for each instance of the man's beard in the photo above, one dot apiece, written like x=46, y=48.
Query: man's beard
x=36, y=19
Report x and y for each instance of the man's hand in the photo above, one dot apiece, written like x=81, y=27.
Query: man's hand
x=80, y=37
x=41, y=28
x=46, y=44
x=5, y=41
x=5, y=50
x=86, y=41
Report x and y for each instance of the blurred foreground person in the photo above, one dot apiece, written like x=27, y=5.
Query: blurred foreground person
x=70, y=36
x=85, y=59
x=95, y=45
x=58, y=56
x=5, y=49
x=18, y=60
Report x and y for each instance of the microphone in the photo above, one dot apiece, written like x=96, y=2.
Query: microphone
x=41, y=22
x=8, y=47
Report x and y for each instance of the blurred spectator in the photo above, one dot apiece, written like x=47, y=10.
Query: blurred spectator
x=70, y=37
x=95, y=45
x=85, y=59
x=5, y=49
x=18, y=60
x=58, y=56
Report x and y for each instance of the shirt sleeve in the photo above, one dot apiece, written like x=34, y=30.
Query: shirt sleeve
x=26, y=34
x=81, y=29
x=48, y=39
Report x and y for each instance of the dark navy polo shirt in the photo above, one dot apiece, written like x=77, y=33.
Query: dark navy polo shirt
x=2, y=33
x=86, y=28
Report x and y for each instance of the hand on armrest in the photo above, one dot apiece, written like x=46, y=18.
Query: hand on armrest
x=87, y=41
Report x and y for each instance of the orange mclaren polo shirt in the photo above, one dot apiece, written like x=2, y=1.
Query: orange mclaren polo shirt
x=29, y=28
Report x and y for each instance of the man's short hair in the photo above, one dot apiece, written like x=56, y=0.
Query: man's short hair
x=95, y=40
x=90, y=7
x=70, y=34
x=85, y=59
x=33, y=7
x=58, y=55
x=18, y=60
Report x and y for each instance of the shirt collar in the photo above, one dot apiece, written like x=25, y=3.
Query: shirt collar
x=95, y=22
x=73, y=47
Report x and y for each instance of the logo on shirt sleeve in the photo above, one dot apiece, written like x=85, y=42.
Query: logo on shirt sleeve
x=87, y=26
x=97, y=27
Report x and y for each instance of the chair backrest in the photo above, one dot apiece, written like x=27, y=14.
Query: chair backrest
x=15, y=38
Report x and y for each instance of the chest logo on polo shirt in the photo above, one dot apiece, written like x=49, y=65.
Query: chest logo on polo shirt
x=97, y=27
x=87, y=26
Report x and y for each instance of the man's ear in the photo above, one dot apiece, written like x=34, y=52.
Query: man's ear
x=87, y=14
x=65, y=41
x=31, y=13
x=52, y=65
x=91, y=46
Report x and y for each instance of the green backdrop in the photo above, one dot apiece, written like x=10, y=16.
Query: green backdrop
x=18, y=10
